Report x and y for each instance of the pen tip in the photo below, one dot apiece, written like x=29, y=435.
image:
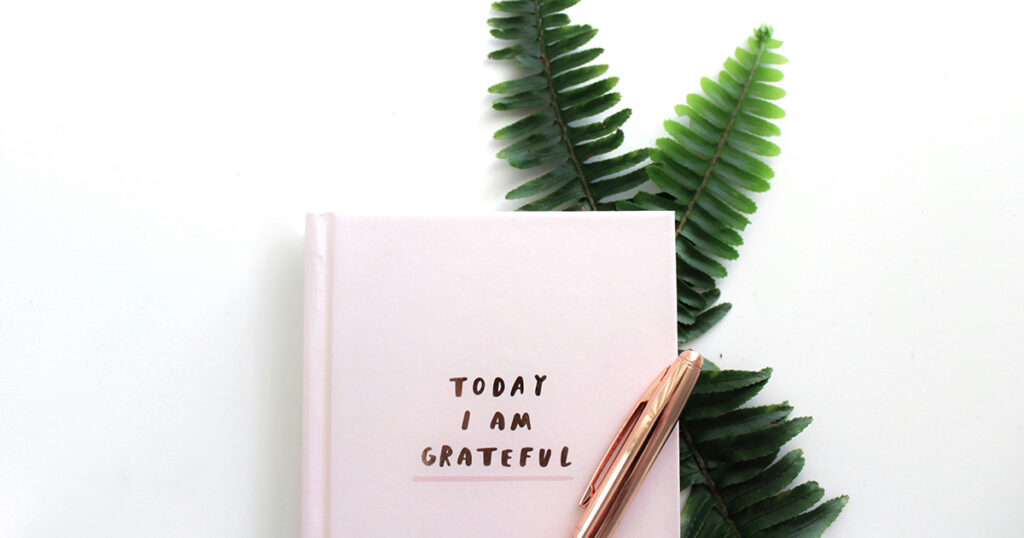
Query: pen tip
x=692, y=359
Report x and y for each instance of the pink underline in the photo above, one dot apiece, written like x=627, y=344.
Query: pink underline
x=490, y=478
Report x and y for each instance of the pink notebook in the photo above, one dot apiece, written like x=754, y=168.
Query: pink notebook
x=464, y=375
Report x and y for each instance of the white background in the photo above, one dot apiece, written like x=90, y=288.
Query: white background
x=156, y=161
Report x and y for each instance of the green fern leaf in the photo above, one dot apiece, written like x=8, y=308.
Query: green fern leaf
x=706, y=167
x=728, y=459
x=564, y=96
x=705, y=171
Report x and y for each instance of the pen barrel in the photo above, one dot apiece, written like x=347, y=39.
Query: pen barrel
x=659, y=411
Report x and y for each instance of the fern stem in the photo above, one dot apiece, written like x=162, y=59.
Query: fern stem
x=725, y=137
x=558, y=111
x=710, y=482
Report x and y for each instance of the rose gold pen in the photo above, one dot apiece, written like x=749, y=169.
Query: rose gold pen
x=636, y=446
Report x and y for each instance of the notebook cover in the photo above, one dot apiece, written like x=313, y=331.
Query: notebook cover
x=558, y=320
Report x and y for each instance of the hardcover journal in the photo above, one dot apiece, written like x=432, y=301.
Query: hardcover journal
x=463, y=376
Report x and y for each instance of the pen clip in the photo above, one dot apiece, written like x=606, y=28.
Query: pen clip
x=620, y=438
x=613, y=450
x=636, y=446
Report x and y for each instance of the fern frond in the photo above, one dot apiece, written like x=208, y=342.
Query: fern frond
x=713, y=157
x=728, y=459
x=562, y=131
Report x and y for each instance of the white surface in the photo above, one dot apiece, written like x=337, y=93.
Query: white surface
x=156, y=162
x=406, y=304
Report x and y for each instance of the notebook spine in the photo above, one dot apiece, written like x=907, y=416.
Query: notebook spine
x=316, y=378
